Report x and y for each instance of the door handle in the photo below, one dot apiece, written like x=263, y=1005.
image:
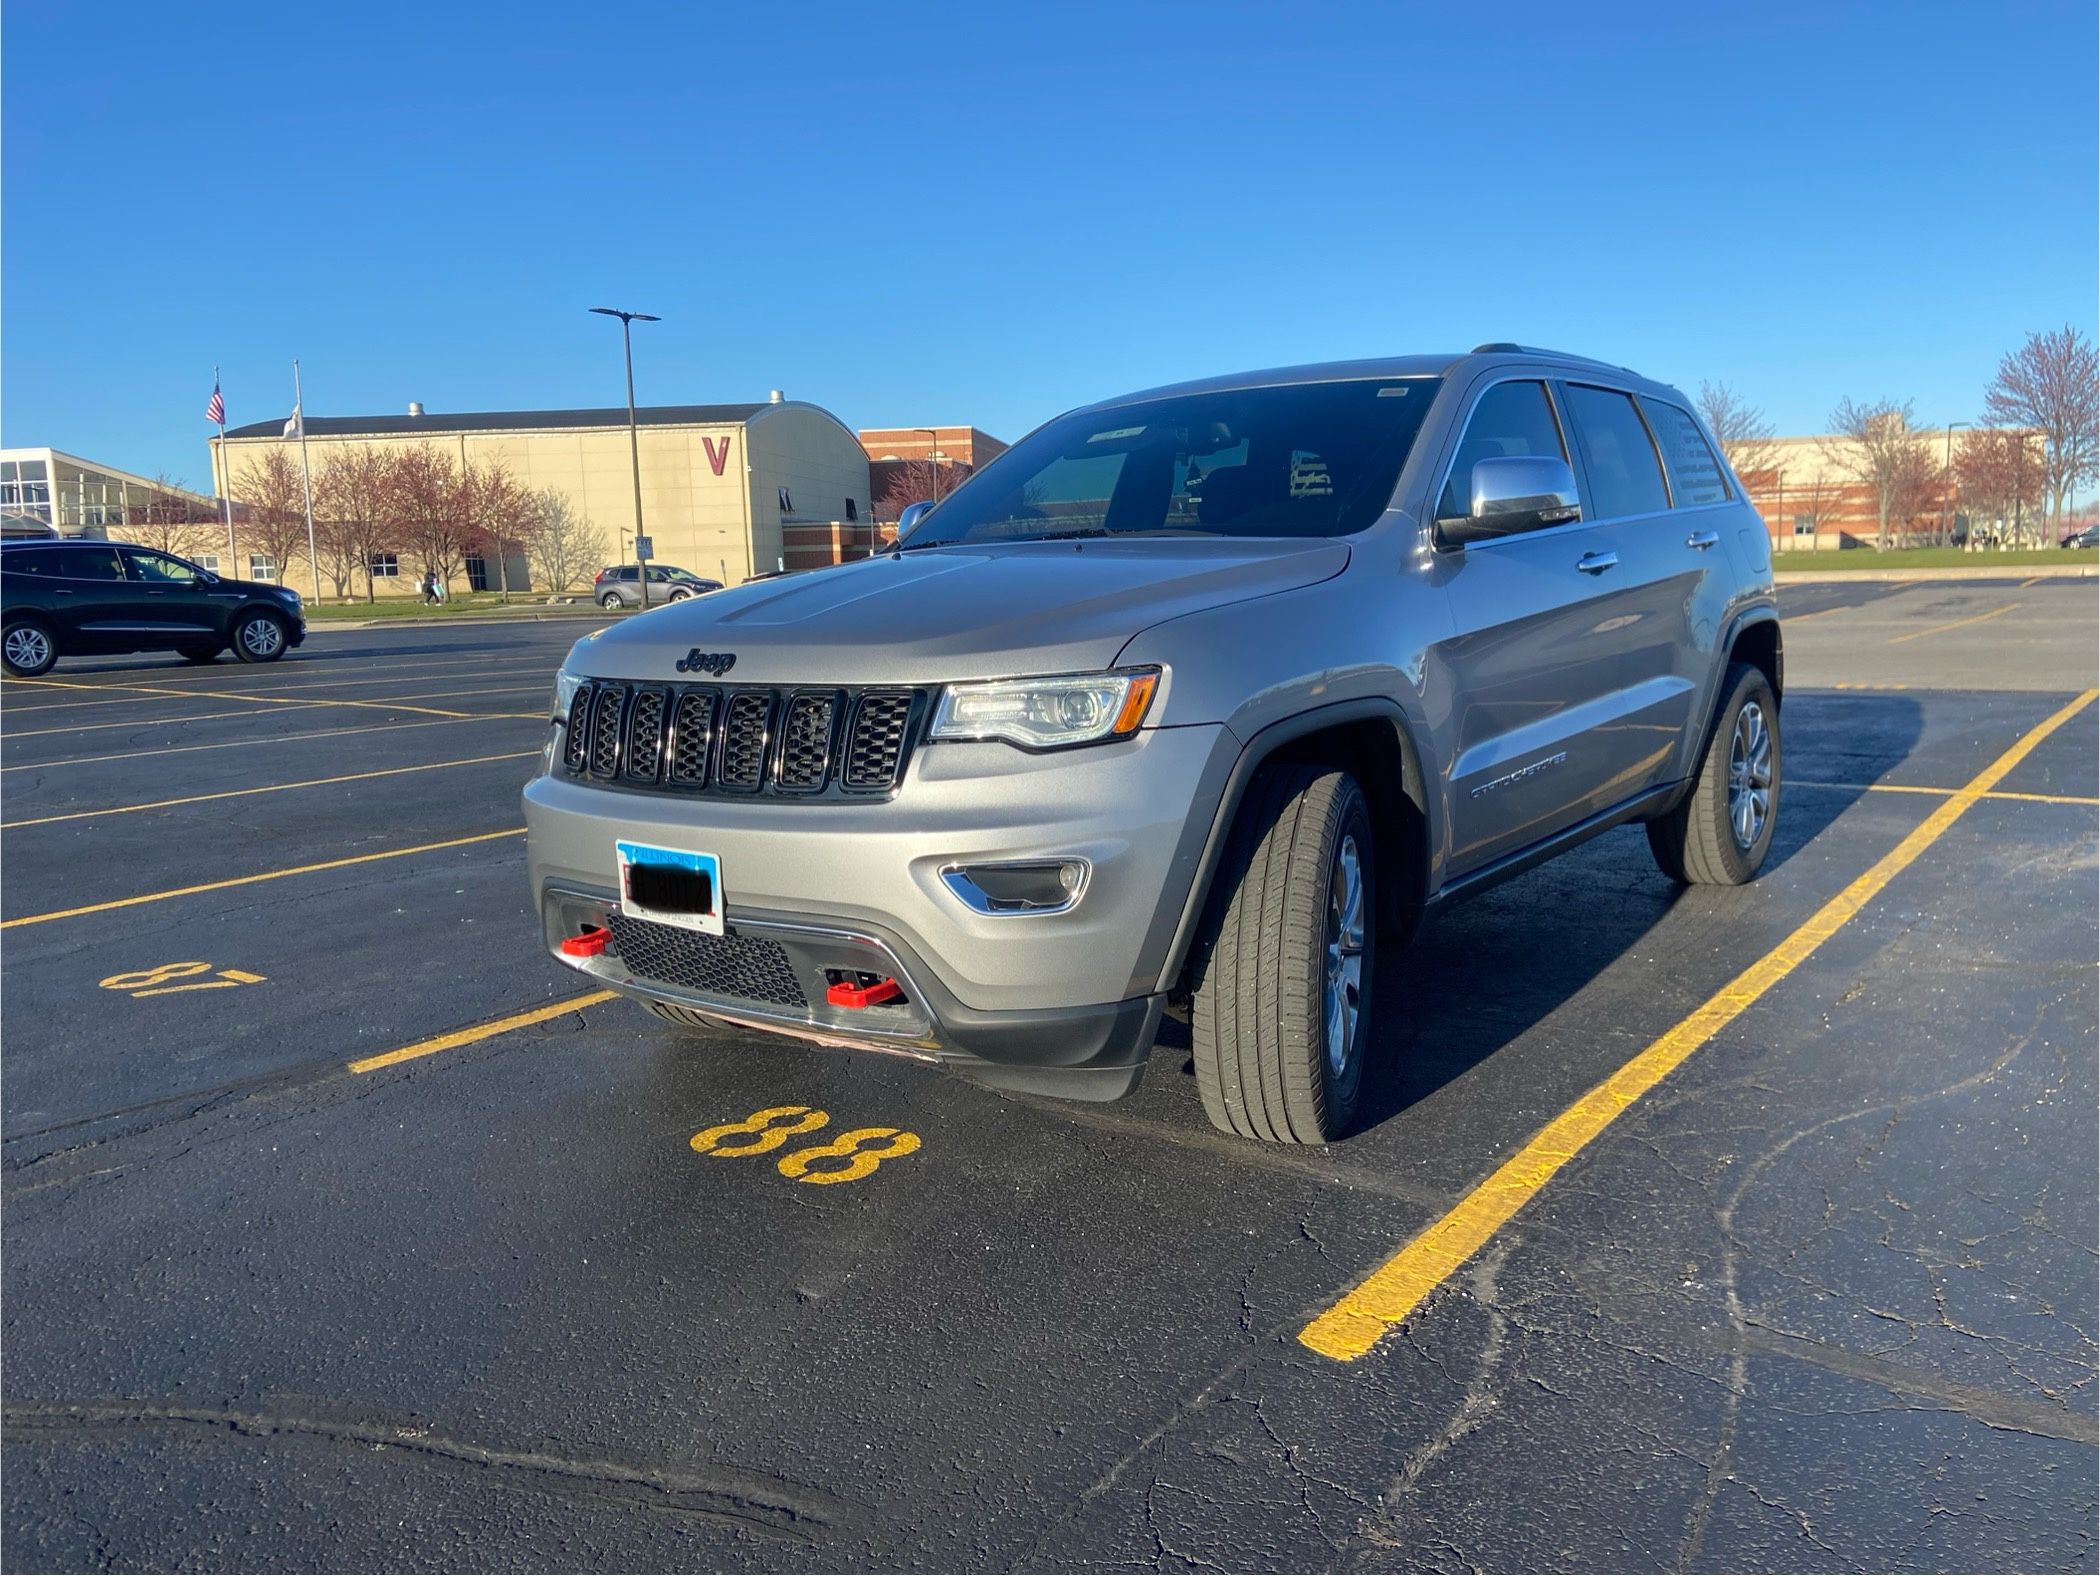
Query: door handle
x=1597, y=563
x=1703, y=540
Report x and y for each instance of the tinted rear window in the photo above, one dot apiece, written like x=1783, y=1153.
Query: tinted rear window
x=1695, y=475
x=1624, y=475
x=88, y=563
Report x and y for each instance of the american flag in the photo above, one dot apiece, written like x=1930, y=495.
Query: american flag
x=216, y=410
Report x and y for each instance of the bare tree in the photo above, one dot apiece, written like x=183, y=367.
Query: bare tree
x=498, y=513
x=170, y=520
x=353, y=522
x=2051, y=385
x=562, y=546
x=1820, y=501
x=1999, y=473
x=1744, y=434
x=424, y=499
x=276, y=527
x=921, y=481
x=1884, y=452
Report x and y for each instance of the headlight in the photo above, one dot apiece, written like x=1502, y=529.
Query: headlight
x=1048, y=714
x=565, y=687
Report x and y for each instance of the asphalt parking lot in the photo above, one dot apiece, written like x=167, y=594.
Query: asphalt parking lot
x=334, y=1239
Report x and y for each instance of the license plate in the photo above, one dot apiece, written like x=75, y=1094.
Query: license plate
x=672, y=886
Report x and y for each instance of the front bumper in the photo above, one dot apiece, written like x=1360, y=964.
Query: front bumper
x=857, y=885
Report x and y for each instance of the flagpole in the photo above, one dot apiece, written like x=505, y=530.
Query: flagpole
x=225, y=473
x=306, y=483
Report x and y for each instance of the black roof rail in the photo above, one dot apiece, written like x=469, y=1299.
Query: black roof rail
x=1504, y=347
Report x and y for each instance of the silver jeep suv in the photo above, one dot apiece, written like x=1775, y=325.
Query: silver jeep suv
x=1187, y=702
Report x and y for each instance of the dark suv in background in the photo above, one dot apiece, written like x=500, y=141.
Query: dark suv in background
x=618, y=585
x=78, y=599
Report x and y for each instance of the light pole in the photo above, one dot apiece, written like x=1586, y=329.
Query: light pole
x=634, y=440
x=1947, y=478
x=933, y=459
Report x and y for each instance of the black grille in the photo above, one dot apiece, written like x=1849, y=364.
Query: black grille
x=645, y=735
x=746, y=968
x=702, y=738
x=743, y=761
x=575, y=738
x=805, y=743
x=610, y=701
x=692, y=732
x=876, y=749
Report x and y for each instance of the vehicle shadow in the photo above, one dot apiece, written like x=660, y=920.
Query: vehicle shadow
x=1486, y=973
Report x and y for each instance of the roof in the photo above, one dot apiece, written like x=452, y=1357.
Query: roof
x=504, y=421
x=1418, y=366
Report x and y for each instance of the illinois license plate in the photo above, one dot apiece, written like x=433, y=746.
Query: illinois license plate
x=672, y=886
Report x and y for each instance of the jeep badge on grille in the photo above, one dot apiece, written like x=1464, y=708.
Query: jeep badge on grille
x=716, y=663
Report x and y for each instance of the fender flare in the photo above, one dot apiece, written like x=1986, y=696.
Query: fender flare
x=1257, y=752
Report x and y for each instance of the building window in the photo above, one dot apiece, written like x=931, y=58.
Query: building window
x=209, y=562
x=384, y=566
x=1804, y=525
x=787, y=504
x=261, y=566
x=852, y=510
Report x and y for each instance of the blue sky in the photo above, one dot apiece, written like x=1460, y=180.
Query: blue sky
x=989, y=213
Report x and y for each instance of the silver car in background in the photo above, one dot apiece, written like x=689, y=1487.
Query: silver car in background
x=1186, y=702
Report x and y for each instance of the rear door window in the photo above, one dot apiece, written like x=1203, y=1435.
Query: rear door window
x=90, y=563
x=1625, y=476
x=1696, y=476
x=1511, y=418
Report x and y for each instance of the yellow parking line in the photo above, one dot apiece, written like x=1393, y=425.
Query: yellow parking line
x=253, y=700
x=241, y=744
x=1959, y=623
x=267, y=875
x=243, y=793
x=8, y=735
x=480, y=1031
x=1996, y=793
x=1356, y=1322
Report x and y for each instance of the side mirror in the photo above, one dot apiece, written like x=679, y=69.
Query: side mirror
x=1512, y=493
x=913, y=513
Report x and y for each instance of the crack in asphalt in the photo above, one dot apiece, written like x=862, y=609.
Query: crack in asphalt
x=751, y=1500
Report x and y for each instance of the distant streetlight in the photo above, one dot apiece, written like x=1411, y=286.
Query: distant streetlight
x=1947, y=477
x=634, y=440
x=933, y=459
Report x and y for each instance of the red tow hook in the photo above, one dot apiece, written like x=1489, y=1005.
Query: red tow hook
x=588, y=944
x=845, y=993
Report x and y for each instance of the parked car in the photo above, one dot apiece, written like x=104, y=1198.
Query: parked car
x=1188, y=702
x=2089, y=537
x=79, y=598
x=620, y=585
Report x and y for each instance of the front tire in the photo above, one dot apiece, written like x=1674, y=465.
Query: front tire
x=1283, y=985
x=1721, y=830
x=26, y=648
x=258, y=637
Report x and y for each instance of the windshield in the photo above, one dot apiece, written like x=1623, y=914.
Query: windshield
x=1308, y=459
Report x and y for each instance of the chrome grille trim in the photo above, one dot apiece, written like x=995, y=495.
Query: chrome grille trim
x=747, y=726
x=806, y=729
x=608, y=709
x=645, y=736
x=575, y=738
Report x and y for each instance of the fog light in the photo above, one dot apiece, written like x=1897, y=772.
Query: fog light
x=1047, y=886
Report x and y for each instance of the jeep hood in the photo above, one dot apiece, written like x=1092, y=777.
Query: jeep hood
x=962, y=612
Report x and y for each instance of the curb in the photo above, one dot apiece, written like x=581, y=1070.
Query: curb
x=544, y=616
x=1797, y=577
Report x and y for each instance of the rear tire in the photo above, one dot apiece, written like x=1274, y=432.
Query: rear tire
x=27, y=648
x=1721, y=830
x=1283, y=983
x=258, y=637
x=610, y=601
